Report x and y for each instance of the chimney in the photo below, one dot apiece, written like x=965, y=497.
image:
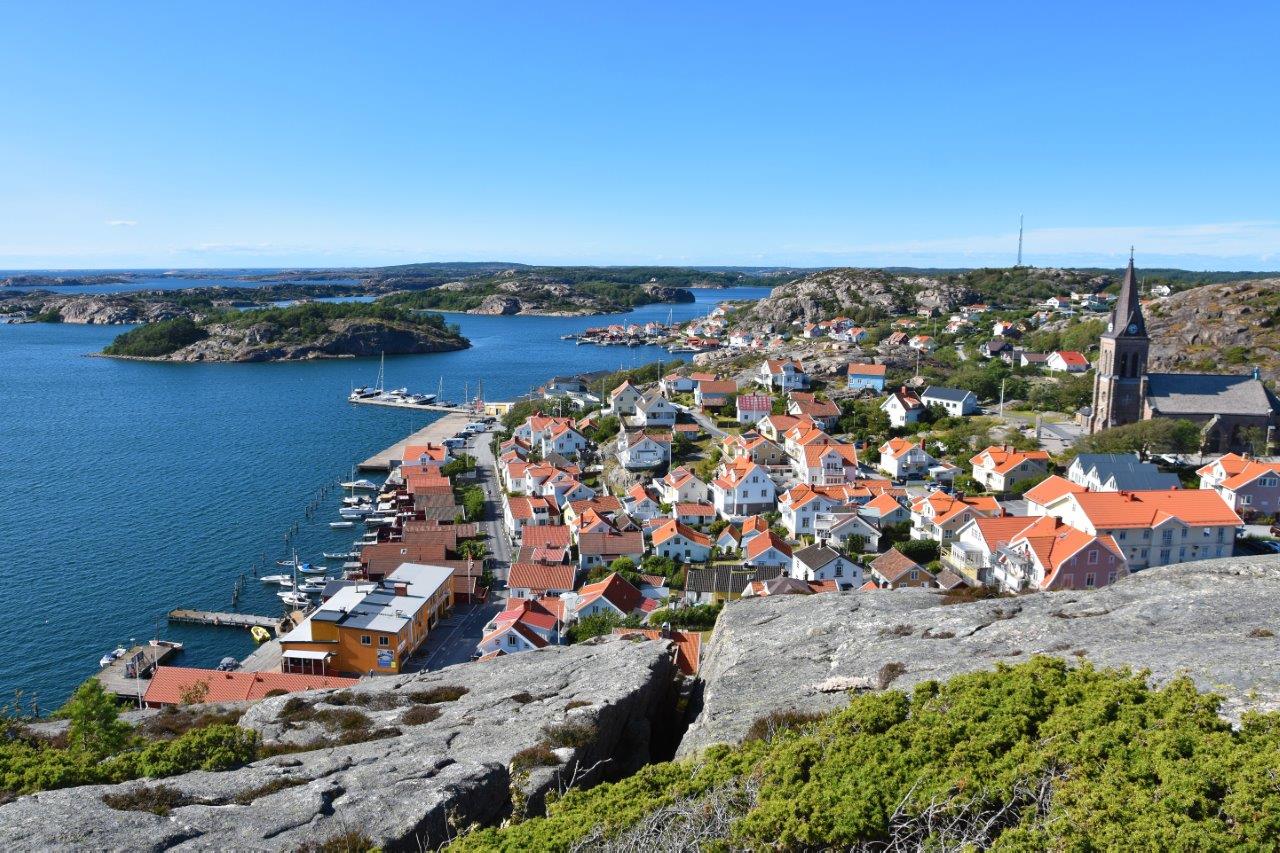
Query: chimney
x=402, y=589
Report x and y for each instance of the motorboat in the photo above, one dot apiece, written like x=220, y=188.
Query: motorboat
x=311, y=569
x=339, y=525
x=280, y=579
x=107, y=659
x=259, y=634
x=228, y=664
x=360, y=485
x=348, y=555
x=351, y=513
x=296, y=599
x=313, y=585
x=378, y=521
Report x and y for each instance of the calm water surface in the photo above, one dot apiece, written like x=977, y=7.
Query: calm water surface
x=128, y=488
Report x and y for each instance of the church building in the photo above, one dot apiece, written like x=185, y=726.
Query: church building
x=1225, y=406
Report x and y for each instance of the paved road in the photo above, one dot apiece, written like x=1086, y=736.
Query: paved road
x=454, y=639
x=705, y=422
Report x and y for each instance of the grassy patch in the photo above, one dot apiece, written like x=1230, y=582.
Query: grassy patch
x=439, y=693
x=771, y=724
x=351, y=841
x=571, y=733
x=244, y=798
x=158, y=800
x=420, y=714
x=539, y=755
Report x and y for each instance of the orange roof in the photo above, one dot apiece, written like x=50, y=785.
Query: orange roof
x=1003, y=458
x=857, y=369
x=1071, y=358
x=727, y=386
x=1232, y=464
x=545, y=535
x=1148, y=508
x=169, y=683
x=671, y=528
x=813, y=453
x=1251, y=472
x=414, y=452
x=693, y=508
x=755, y=524
x=1049, y=490
x=616, y=590
x=893, y=564
x=884, y=503
x=1054, y=542
x=540, y=578
x=896, y=447
x=764, y=542
x=688, y=645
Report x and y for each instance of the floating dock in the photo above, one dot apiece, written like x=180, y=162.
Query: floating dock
x=223, y=620
x=129, y=674
x=435, y=432
x=405, y=404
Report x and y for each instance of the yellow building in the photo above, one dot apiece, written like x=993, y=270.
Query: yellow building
x=371, y=627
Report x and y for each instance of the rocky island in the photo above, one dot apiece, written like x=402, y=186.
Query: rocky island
x=516, y=291
x=298, y=332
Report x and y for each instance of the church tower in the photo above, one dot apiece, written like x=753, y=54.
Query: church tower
x=1120, y=381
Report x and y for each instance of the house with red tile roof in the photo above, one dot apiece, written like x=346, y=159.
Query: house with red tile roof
x=526, y=625
x=714, y=394
x=894, y=570
x=884, y=509
x=827, y=463
x=680, y=542
x=687, y=644
x=787, y=585
x=903, y=406
x=1001, y=467
x=1155, y=528
x=1066, y=361
x=743, y=488
x=534, y=580
x=177, y=685
x=1248, y=486
x=642, y=502
x=767, y=549
x=520, y=512
x=752, y=407
x=1049, y=554
x=680, y=485
x=865, y=376
x=695, y=514
x=546, y=536
x=973, y=549
x=753, y=446
x=939, y=516
x=902, y=458
x=823, y=412
x=783, y=374
x=613, y=594
x=595, y=549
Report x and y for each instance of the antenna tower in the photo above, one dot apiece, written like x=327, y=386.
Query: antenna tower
x=1019, y=240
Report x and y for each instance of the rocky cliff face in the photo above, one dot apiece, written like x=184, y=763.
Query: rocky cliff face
x=1218, y=328
x=1212, y=620
x=425, y=776
x=855, y=292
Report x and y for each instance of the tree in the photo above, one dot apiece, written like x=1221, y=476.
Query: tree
x=920, y=550
x=473, y=549
x=892, y=534
x=96, y=727
x=1159, y=435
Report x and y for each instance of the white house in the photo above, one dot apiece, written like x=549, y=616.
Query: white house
x=653, y=410
x=903, y=407
x=681, y=543
x=674, y=383
x=836, y=529
x=1000, y=467
x=957, y=402
x=623, y=399
x=820, y=563
x=767, y=549
x=681, y=486
x=783, y=374
x=641, y=504
x=565, y=440
x=752, y=407
x=641, y=450
x=800, y=507
x=744, y=488
x=902, y=458
x=1066, y=361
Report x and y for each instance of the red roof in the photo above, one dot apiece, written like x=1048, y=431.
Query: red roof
x=546, y=535
x=611, y=544
x=688, y=645
x=169, y=683
x=857, y=369
x=616, y=590
x=1071, y=358
x=764, y=542
x=539, y=577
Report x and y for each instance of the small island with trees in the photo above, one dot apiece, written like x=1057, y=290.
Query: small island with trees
x=298, y=332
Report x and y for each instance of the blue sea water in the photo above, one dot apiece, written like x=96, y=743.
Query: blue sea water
x=131, y=488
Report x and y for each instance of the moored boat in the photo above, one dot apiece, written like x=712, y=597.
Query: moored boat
x=339, y=525
x=259, y=634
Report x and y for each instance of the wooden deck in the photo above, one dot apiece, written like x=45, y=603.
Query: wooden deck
x=113, y=676
x=397, y=404
x=243, y=621
x=435, y=432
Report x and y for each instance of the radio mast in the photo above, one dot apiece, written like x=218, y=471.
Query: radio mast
x=1019, y=263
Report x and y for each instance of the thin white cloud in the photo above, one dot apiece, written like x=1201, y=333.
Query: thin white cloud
x=122, y=223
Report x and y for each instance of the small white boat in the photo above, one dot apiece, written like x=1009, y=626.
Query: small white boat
x=351, y=513
x=363, y=485
x=353, y=566
x=312, y=586
x=378, y=521
x=310, y=569
x=107, y=659
x=343, y=556
x=339, y=525
x=280, y=579
x=296, y=599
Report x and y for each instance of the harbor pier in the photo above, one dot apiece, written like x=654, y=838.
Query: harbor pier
x=432, y=433
x=128, y=675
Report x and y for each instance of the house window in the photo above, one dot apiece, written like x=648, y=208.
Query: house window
x=511, y=639
x=915, y=574
x=1165, y=553
x=1246, y=499
x=384, y=641
x=839, y=570
x=365, y=640
x=1093, y=558
x=1121, y=536
x=1089, y=580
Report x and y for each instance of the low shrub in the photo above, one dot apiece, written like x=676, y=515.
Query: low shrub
x=538, y=755
x=420, y=714
x=772, y=724
x=266, y=789
x=439, y=693
x=157, y=799
x=571, y=733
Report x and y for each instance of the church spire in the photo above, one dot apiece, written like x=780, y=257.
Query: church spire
x=1127, y=319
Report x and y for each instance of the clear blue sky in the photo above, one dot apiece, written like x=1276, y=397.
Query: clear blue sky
x=273, y=133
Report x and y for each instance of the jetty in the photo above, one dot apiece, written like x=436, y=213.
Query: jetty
x=408, y=404
x=432, y=433
x=223, y=620
x=128, y=675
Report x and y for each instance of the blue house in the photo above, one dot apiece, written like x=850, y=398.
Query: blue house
x=866, y=376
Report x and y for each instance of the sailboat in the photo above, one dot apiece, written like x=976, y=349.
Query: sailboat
x=366, y=392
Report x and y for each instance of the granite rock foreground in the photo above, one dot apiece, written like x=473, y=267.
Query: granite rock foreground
x=1212, y=620
x=595, y=706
